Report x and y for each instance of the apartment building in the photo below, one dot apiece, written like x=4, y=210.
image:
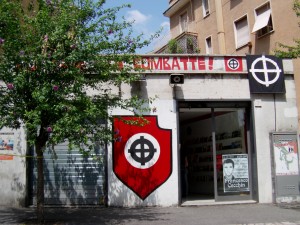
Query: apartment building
x=234, y=27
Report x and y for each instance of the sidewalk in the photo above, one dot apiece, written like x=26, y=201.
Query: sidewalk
x=257, y=214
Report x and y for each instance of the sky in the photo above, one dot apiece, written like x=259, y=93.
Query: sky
x=148, y=19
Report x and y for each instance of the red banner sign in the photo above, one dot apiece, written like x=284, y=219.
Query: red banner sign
x=190, y=64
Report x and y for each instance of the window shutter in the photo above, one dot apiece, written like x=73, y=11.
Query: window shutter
x=242, y=32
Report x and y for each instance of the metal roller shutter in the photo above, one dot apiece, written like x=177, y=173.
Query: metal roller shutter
x=70, y=177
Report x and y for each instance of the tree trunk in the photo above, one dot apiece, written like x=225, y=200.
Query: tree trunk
x=40, y=184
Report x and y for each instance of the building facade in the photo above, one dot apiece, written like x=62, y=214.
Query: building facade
x=234, y=27
x=222, y=127
x=216, y=120
x=193, y=141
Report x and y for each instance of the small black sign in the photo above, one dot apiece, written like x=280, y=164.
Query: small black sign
x=176, y=79
x=265, y=74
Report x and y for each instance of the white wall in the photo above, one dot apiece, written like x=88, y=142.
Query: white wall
x=214, y=87
x=13, y=172
x=225, y=87
x=167, y=193
x=272, y=115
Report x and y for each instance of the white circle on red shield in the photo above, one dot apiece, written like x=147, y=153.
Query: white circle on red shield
x=142, y=150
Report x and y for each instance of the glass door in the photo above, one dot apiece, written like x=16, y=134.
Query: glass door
x=231, y=158
x=197, y=168
x=215, y=156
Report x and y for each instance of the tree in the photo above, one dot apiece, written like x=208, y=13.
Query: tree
x=53, y=54
x=287, y=51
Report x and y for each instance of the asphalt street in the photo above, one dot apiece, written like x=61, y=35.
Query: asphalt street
x=250, y=214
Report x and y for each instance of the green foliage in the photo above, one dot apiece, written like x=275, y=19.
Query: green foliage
x=53, y=57
x=287, y=51
x=173, y=47
x=297, y=7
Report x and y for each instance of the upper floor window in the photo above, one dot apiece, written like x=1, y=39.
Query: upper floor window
x=183, y=22
x=241, y=30
x=208, y=45
x=263, y=20
x=205, y=7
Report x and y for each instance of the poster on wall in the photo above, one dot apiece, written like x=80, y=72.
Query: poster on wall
x=235, y=172
x=6, y=141
x=286, y=157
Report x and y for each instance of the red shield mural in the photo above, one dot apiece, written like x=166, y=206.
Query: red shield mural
x=142, y=155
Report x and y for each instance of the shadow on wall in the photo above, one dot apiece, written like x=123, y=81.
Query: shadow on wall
x=178, y=92
x=139, y=89
x=263, y=46
x=234, y=3
x=18, y=181
x=71, y=178
x=18, y=186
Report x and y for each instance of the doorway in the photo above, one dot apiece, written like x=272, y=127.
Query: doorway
x=215, y=155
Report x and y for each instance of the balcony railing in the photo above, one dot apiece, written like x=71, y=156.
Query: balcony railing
x=185, y=43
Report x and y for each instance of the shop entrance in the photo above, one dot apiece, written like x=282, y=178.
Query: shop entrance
x=215, y=151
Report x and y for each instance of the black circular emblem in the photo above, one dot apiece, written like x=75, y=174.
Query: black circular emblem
x=142, y=150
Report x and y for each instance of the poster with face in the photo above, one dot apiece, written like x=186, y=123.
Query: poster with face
x=235, y=172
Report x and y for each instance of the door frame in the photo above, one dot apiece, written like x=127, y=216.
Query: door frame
x=246, y=105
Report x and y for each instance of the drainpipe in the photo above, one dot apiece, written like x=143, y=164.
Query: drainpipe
x=192, y=10
x=220, y=26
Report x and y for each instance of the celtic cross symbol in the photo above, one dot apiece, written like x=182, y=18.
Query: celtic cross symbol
x=233, y=64
x=265, y=70
x=142, y=150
